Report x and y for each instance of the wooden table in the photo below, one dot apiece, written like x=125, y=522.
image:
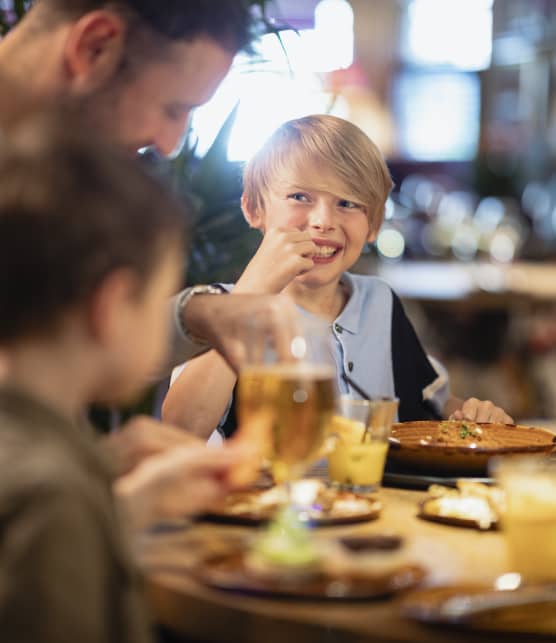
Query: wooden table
x=451, y=554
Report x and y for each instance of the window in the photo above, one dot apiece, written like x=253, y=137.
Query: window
x=277, y=87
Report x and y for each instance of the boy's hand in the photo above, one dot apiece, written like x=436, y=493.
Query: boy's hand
x=282, y=256
x=476, y=410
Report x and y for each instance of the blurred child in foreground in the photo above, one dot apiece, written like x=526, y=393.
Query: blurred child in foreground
x=317, y=191
x=90, y=250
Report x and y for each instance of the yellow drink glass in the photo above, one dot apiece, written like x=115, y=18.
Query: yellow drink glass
x=529, y=516
x=360, y=431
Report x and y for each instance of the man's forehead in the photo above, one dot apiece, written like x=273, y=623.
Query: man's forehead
x=194, y=69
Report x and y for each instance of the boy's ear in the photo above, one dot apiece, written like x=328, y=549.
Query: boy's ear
x=254, y=218
x=373, y=234
x=93, y=50
x=109, y=307
x=376, y=219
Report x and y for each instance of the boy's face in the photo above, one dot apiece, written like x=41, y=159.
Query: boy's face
x=338, y=226
x=136, y=331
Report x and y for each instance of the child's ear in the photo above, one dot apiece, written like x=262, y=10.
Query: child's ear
x=253, y=217
x=109, y=307
x=373, y=234
x=93, y=50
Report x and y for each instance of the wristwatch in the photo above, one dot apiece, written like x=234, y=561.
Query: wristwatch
x=184, y=298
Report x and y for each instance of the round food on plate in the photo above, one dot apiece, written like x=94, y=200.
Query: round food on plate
x=472, y=504
x=317, y=504
x=462, y=447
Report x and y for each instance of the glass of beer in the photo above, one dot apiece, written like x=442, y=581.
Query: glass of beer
x=529, y=516
x=286, y=401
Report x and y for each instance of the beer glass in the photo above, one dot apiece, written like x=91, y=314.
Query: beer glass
x=287, y=401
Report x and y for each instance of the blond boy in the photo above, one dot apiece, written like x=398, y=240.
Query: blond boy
x=317, y=191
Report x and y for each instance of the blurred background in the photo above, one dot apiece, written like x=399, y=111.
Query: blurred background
x=459, y=95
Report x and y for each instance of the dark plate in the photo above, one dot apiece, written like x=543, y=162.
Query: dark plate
x=370, y=510
x=422, y=481
x=427, y=606
x=228, y=572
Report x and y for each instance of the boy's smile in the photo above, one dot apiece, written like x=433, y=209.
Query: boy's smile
x=327, y=251
x=339, y=227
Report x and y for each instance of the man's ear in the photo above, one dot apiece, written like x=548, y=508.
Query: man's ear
x=254, y=218
x=94, y=50
x=110, y=306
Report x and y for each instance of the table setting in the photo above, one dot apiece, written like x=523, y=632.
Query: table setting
x=338, y=549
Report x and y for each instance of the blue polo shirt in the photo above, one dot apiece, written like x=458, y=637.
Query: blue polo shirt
x=376, y=346
x=365, y=335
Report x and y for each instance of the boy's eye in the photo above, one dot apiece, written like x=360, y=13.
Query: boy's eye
x=299, y=196
x=349, y=205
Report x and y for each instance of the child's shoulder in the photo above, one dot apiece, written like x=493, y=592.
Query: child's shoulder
x=368, y=286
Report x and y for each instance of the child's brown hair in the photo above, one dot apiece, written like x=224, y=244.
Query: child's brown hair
x=72, y=211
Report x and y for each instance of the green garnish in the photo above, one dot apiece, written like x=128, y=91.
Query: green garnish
x=287, y=541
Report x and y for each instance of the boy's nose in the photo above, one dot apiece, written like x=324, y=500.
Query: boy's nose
x=322, y=218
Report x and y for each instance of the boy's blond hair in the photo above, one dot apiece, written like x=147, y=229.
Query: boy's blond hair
x=335, y=154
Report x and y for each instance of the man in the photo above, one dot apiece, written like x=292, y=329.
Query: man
x=135, y=69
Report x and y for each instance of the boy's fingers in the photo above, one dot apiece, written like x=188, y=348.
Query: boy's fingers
x=469, y=409
x=484, y=411
x=306, y=248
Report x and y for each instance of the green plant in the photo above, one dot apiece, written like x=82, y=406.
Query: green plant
x=11, y=14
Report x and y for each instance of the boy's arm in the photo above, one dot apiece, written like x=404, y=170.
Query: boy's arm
x=198, y=398
x=406, y=344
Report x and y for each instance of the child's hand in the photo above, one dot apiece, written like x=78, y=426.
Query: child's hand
x=177, y=483
x=281, y=257
x=476, y=410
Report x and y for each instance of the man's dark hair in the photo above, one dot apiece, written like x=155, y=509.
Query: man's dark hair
x=227, y=22
x=72, y=212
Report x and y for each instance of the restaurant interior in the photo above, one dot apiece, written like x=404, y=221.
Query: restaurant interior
x=356, y=527
x=459, y=97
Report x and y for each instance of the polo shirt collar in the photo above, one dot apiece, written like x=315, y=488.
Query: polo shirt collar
x=350, y=317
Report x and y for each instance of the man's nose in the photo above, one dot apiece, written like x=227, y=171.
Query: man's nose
x=170, y=139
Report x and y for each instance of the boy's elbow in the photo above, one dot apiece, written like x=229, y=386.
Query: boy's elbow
x=170, y=412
